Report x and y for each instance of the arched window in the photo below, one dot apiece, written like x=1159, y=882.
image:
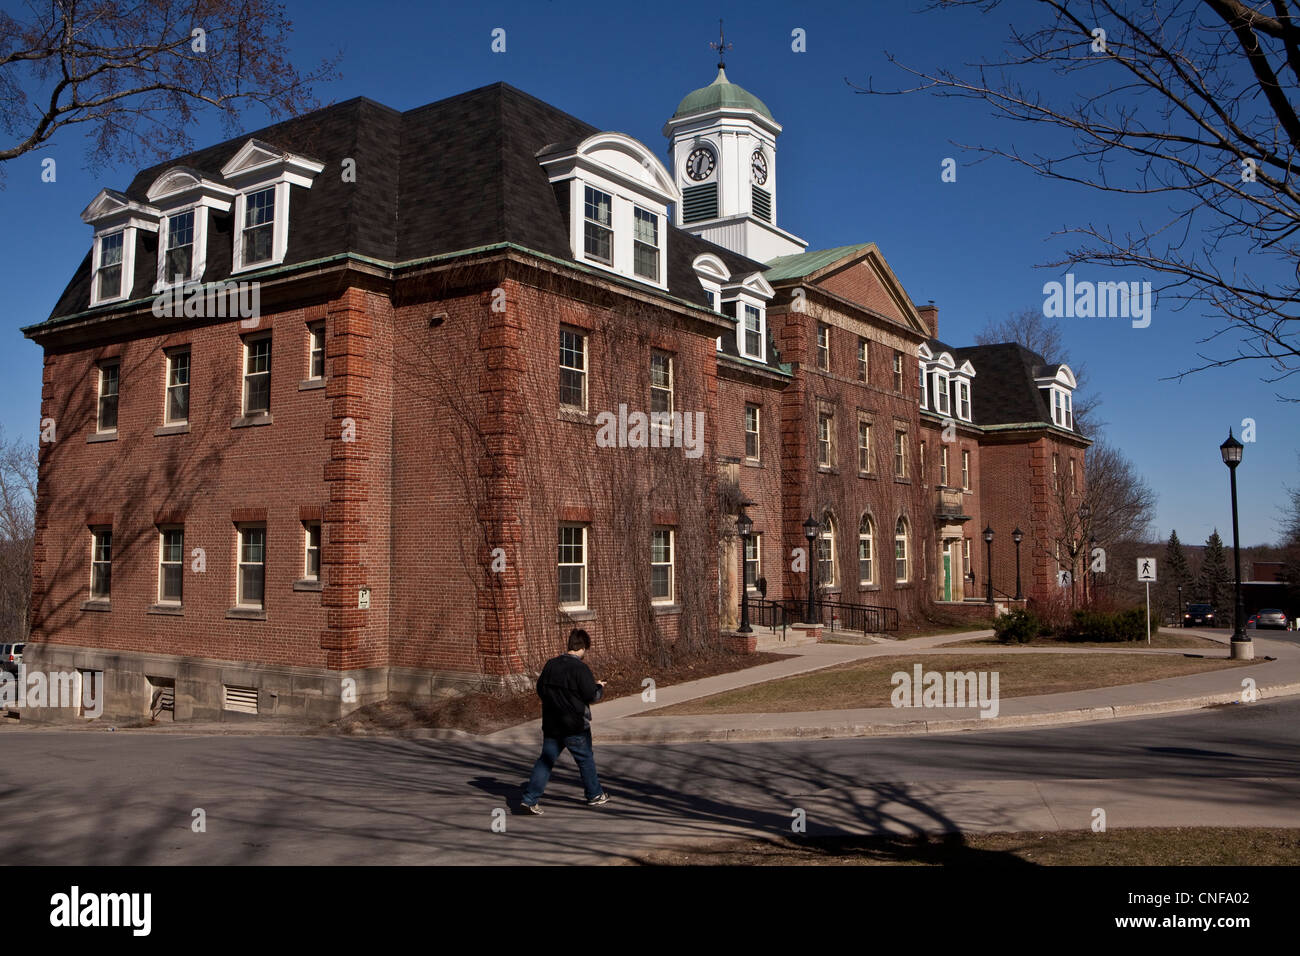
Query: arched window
x=826, y=552
x=900, y=551
x=866, y=573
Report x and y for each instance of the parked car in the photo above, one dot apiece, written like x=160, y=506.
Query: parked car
x=1271, y=617
x=11, y=655
x=1198, y=615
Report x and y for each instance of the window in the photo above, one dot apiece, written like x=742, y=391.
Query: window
x=826, y=553
x=109, y=274
x=752, y=564
x=573, y=369
x=865, y=571
x=965, y=469
x=864, y=370
x=825, y=439
x=1069, y=411
x=661, y=382
x=752, y=339
x=311, y=562
x=171, y=555
x=921, y=449
x=316, y=351
x=963, y=400
x=898, y=371
x=923, y=391
x=661, y=566
x=109, y=375
x=824, y=347
x=101, y=563
x=257, y=376
x=1056, y=480
x=965, y=556
x=864, y=447
x=1074, y=486
x=259, y=226
x=900, y=551
x=573, y=566
x=251, y=584
x=752, y=418
x=941, y=393
x=943, y=466
x=900, y=454
x=598, y=236
x=180, y=247
x=176, y=409
x=645, y=244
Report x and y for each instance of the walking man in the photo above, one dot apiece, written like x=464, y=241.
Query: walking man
x=567, y=689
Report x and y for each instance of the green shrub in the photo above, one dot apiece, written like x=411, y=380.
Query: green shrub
x=1019, y=626
x=1109, y=626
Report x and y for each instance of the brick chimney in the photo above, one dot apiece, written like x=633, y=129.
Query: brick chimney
x=930, y=316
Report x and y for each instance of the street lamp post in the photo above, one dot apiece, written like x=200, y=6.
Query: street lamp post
x=1017, y=536
x=744, y=528
x=1242, y=647
x=988, y=559
x=1180, y=606
x=810, y=531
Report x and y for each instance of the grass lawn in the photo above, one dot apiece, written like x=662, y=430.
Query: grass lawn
x=1175, y=846
x=867, y=683
x=905, y=633
x=1157, y=640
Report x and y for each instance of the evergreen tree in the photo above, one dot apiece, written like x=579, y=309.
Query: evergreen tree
x=1216, y=579
x=1176, y=572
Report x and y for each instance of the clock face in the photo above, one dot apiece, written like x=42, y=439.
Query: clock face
x=758, y=163
x=700, y=163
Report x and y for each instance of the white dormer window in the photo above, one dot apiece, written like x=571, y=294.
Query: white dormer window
x=963, y=401
x=1062, y=408
x=925, y=398
x=263, y=174
x=941, y=393
x=117, y=220
x=598, y=217
x=179, y=254
x=184, y=199
x=752, y=332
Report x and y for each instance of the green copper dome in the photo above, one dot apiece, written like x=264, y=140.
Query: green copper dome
x=721, y=94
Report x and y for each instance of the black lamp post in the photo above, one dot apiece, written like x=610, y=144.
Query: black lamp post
x=810, y=531
x=1242, y=648
x=1017, y=536
x=744, y=528
x=1180, y=607
x=988, y=559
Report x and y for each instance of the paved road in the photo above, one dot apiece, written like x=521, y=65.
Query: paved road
x=92, y=797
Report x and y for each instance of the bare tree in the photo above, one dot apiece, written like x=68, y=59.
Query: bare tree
x=134, y=76
x=1121, y=504
x=17, y=530
x=1030, y=329
x=1194, y=102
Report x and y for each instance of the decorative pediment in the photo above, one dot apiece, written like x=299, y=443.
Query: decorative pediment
x=259, y=160
x=709, y=266
x=614, y=156
x=755, y=285
x=925, y=353
x=1061, y=375
x=183, y=184
x=112, y=208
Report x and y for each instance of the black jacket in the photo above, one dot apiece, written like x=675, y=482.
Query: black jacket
x=567, y=690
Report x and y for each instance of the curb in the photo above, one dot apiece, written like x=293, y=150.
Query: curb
x=918, y=727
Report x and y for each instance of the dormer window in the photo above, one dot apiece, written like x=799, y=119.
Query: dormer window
x=751, y=340
x=963, y=401
x=598, y=237
x=941, y=393
x=645, y=245
x=263, y=174
x=259, y=225
x=180, y=245
x=108, y=272
x=925, y=392
x=184, y=198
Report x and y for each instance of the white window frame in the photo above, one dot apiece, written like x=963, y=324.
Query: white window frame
x=307, y=528
x=755, y=539
x=867, y=537
x=315, y=330
x=943, y=465
x=241, y=599
x=743, y=330
x=667, y=390
x=583, y=543
x=826, y=544
x=116, y=396
x=257, y=166
x=198, y=244
x=96, y=561
x=126, y=279
x=756, y=431
x=864, y=360
x=901, y=543
x=650, y=216
x=965, y=469
x=900, y=453
x=826, y=442
x=671, y=564
x=898, y=372
x=606, y=226
x=823, y=347
x=248, y=342
x=864, y=450
x=941, y=396
x=963, y=400
x=169, y=368
x=925, y=392
x=586, y=363
x=164, y=564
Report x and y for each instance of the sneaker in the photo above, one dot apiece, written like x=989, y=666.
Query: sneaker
x=534, y=809
x=598, y=801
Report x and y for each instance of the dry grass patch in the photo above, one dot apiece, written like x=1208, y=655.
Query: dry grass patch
x=868, y=683
x=1188, y=641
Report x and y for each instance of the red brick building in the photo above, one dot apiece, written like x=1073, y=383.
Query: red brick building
x=309, y=441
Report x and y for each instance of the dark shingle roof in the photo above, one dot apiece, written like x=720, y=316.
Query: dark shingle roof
x=1004, y=391
x=457, y=174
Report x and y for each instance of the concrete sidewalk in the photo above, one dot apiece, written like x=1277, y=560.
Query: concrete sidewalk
x=632, y=720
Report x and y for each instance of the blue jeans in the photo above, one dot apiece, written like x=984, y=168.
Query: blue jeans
x=580, y=746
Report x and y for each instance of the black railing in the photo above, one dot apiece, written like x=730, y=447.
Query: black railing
x=868, y=618
x=771, y=614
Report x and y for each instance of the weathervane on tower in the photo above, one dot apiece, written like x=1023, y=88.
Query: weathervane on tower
x=721, y=46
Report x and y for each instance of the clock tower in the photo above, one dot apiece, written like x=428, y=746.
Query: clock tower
x=722, y=149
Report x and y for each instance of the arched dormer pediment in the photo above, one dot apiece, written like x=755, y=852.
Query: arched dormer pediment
x=945, y=360
x=709, y=266
x=622, y=160
x=181, y=184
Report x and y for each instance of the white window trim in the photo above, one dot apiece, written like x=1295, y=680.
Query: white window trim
x=965, y=469
x=99, y=396
x=94, y=540
x=963, y=400
x=257, y=166
x=312, y=329
x=757, y=432
x=162, y=541
x=742, y=314
x=110, y=212
x=903, y=537
x=586, y=561
x=306, y=550
x=586, y=368
x=827, y=534
x=823, y=351
x=243, y=380
x=757, y=538
x=199, y=255
x=867, y=470
x=829, y=443
x=672, y=564
x=239, y=564
x=170, y=356
x=181, y=190
x=925, y=392
x=127, y=279
x=870, y=537
x=941, y=397
x=279, y=229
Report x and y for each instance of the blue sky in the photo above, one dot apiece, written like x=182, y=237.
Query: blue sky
x=852, y=168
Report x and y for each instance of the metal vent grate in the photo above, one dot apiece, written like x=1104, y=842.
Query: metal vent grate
x=700, y=202
x=242, y=700
x=762, y=204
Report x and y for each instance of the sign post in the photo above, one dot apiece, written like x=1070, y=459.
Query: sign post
x=1147, y=574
